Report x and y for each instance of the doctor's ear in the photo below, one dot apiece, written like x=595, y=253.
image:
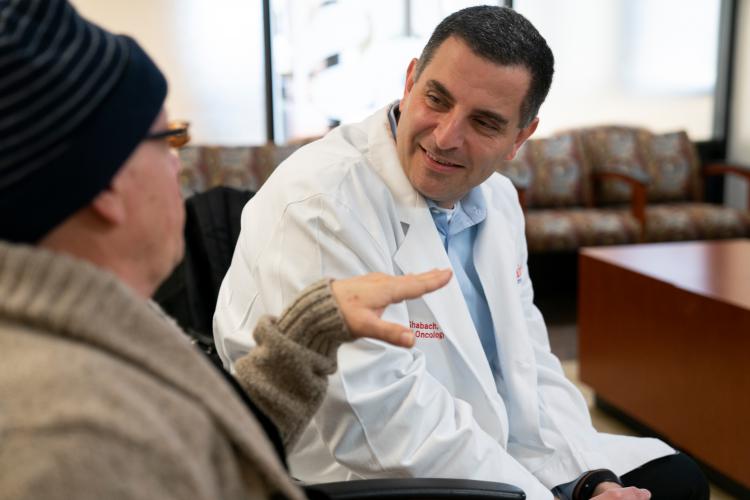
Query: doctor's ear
x=410, y=76
x=523, y=134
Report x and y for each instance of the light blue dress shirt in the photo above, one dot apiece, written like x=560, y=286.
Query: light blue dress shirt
x=458, y=229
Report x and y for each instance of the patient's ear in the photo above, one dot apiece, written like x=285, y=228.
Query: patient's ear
x=110, y=206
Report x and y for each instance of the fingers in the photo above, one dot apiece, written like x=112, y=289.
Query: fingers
x=412, y=286
x=392, y=333
x=368, y=324
x=362, y=300
x=641, y=493
x=629, y=493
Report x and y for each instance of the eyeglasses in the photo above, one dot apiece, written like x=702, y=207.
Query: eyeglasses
x=177, y=134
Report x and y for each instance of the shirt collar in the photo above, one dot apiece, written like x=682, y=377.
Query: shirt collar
x=449, y=212
x=473, y=207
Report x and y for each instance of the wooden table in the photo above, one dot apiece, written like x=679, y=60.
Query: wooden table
x=664, y=336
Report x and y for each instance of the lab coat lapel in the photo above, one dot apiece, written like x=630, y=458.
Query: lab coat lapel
x=383, y=158
x=496, y=265
x=422, y=250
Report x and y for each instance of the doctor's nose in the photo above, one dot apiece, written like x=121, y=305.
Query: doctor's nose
x=449, y=133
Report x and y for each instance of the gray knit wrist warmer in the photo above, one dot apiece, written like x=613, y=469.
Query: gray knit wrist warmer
x=314, y=320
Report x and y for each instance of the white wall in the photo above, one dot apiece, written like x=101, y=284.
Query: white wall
x=211, y=53
x=739, y=139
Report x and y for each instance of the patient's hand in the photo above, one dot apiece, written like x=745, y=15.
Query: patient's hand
x=363, y=299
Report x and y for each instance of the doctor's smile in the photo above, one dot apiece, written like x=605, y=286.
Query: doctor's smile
x=439, y=163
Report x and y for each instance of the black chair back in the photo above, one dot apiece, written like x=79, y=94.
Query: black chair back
x=212, y=227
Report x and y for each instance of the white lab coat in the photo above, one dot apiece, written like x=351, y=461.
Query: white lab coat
x=342, y=206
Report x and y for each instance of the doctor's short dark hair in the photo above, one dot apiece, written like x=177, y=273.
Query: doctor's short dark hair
x=503, y=36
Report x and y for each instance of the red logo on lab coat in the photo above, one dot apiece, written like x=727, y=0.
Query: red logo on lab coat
x=519, y=274
x=426, y=330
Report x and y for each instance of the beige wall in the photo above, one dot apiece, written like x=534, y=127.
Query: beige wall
x=211, y=53
x=739, y=139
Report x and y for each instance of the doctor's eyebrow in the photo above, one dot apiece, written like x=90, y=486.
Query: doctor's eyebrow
x=438, y=87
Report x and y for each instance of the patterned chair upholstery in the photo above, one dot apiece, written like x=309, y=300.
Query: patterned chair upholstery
x=616, y=185
x=554, y=179
x=242, y=167
x=555, y=172
x=574, y=186
x=561, y=230
x=675, y=209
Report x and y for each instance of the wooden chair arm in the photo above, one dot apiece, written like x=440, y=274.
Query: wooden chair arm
x=521, y=197
x=727, y=168
x=631, y=178
x=521, y=182
x=638, y=183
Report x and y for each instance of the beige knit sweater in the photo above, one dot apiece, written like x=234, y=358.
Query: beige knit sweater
x=103, y=397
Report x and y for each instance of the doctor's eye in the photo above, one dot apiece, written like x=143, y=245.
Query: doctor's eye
x=487, y=127
x=484, y=124
x=434, y=100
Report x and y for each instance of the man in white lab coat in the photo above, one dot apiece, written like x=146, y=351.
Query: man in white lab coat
x=409, y=189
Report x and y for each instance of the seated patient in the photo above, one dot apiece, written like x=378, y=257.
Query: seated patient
x=101, y=395
x=412, y=187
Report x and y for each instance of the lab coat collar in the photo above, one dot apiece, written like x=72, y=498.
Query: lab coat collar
x=382, y=157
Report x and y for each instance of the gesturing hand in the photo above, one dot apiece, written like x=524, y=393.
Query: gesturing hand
x=363, y=299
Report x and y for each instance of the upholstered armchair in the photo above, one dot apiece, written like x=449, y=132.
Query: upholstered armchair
x=240, y=167
x=662, y=179
x=554, y=179
x=615, y=185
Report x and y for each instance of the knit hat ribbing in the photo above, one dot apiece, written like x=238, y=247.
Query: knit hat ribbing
x=75, y=101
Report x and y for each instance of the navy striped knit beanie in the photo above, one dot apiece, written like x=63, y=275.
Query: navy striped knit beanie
x=75, y=101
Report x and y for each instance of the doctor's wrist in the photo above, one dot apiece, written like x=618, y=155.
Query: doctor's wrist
x=587, y=485
x=606, y=485
x=595, y=482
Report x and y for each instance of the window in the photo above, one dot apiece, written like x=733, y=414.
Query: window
x=631, y=62
x=634, y=62
x=339, y=61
